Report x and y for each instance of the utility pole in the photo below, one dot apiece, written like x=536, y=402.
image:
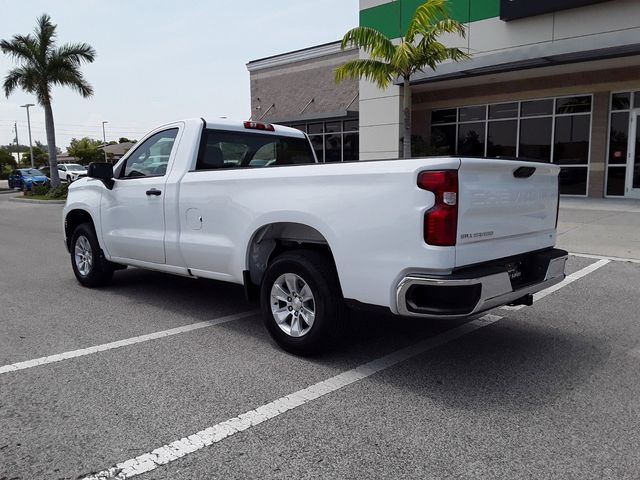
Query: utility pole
x=15, y=125
x=29, y=125
x=104, y=141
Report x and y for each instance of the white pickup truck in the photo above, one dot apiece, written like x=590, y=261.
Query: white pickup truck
x=247, y=203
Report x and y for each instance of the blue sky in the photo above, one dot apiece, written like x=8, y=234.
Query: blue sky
x=163, y=60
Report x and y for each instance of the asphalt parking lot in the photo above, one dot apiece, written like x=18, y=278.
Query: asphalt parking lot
x=96, y=380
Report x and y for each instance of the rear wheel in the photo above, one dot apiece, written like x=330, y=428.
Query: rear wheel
x=88, y=266
x=301, y=302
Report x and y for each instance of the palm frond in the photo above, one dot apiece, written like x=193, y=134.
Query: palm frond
x=22, y=48
x=77, y=53
x=380, y=73
x=69, y=75
x=12, y=81
x=375, y=43
x=425, y=16
x=45, y=33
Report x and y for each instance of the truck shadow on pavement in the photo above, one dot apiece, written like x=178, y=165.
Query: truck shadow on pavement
x=200, y=298
x=512, y=365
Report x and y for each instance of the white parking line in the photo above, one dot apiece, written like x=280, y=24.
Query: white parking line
x=602, y=257
x=570, y=279
x=121, y=343
x=178, y=449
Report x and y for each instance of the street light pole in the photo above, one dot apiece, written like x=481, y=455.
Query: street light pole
x=15, y=125
x=104, y=141
x=29, y=125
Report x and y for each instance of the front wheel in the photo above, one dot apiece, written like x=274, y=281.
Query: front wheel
x=86, y=260
x=301, y=302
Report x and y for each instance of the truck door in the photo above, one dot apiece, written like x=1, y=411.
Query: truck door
x=132, y=213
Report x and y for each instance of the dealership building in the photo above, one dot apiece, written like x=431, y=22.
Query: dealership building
x=551, y=81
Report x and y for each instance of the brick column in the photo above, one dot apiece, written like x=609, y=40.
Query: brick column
x=599, y=137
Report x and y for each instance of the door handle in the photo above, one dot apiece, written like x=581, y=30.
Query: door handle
x=154, y=191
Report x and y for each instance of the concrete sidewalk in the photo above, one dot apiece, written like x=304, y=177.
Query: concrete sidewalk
x=609, y=227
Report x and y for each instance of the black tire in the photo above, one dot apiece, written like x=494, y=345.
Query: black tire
x=318, y=272
x=68, y=179
x=98, y=273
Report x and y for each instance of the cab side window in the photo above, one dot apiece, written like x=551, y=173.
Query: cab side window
x=222, y=149
x=151, y=157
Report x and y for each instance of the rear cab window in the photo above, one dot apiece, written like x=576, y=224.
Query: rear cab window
x=228, y=149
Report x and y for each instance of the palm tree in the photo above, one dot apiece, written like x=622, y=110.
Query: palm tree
x=43, y=65
x=418, y=49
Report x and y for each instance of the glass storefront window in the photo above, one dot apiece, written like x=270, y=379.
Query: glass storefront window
x=473, y=114
x=616, y=178
x=334, y=140
x=572, y=140
x=619, y=138
x=502, y=138
x=543, y=130
x=449, y=115
x=333, y=148
x=313, y=128
x=573, y=105
x=535, y=139
x=332, y=127
x=471, y=139
x=444, y=139
x=573, y=181
x=351, y=125
x=621, y=101
x=536, y=108
x=503, y=110
x=351, y=145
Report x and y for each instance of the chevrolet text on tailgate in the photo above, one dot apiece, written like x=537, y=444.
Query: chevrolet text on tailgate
x=247, y=203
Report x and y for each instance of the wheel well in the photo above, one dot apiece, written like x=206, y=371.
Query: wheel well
x=274, y=239
x=72, y=220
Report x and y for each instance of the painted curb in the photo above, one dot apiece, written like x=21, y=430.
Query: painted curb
x=41, y=202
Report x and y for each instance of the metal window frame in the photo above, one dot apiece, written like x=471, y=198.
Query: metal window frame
x=632, y=107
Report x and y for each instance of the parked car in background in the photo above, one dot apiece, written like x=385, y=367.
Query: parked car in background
x=26, y=178
x=71, y=172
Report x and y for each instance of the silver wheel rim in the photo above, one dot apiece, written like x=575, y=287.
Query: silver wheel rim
x=83, y=255
x=292, y=305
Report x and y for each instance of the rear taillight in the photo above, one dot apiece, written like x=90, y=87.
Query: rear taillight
x=259, y=126
x=441, y=222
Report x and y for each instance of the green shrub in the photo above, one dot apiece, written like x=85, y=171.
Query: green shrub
x=40, y=190
x=59, y=192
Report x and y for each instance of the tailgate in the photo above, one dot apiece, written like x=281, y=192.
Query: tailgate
x=505, y=208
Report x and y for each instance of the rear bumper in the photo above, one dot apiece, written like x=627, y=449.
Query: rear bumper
x=477, y=289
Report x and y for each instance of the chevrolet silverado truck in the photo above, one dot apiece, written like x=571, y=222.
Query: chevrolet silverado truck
x=248, y=203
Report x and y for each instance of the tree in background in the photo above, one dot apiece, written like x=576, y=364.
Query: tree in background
x=7, y=162
x=417, y=50
x=40, y=155
x=86, y=150
x=126, y=140
x=43, y=65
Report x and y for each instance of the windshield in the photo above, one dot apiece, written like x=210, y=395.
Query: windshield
x=75, y=167
x=32, y=172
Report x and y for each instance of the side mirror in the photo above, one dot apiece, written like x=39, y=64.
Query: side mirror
x=101, y=171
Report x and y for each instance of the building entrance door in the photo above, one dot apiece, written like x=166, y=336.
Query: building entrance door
x=632, y=189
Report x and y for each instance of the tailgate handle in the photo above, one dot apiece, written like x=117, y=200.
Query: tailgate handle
x=524, y=172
